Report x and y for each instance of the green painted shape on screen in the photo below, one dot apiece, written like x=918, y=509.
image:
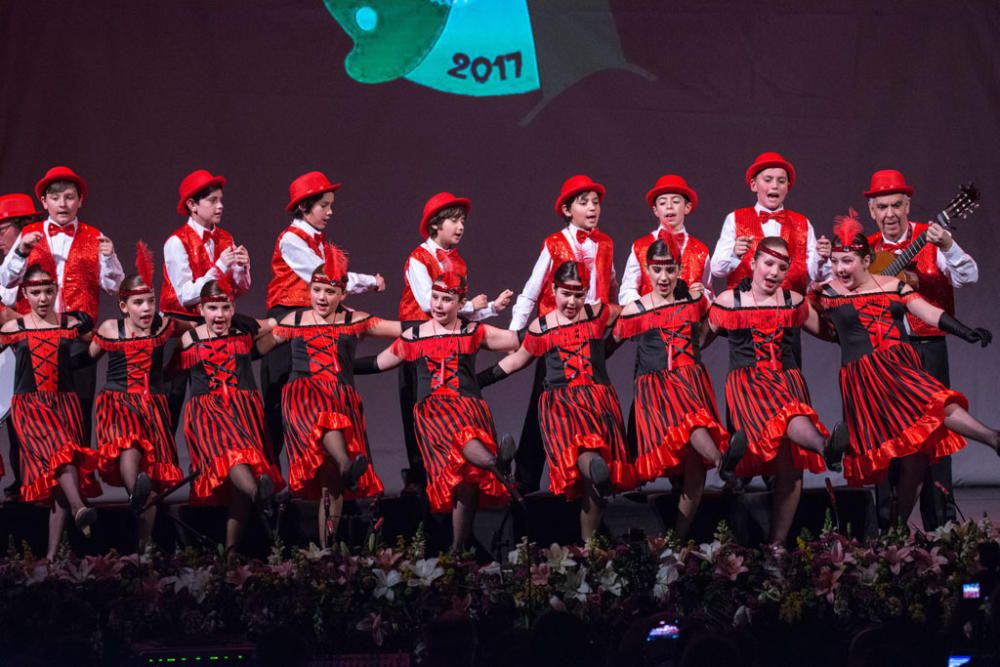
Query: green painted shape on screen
x=391, y=37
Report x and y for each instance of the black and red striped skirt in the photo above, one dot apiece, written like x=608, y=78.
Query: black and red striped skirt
x=577, y=419
x=443, y=424
x=894, y=408
x=50, y=428
x=762, y=401
x=223, y=431
x=311, y=408
x=127, y=420
x=669, y=405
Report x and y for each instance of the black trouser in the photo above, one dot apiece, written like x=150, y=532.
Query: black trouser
x=14, y=454
x=85, y=385
x=530, y=457
x=417, y=475
x=935, y=507
x=275, y=367
x=177, y=384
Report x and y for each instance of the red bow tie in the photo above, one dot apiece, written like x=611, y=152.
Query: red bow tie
x=443, y=255
x=582, y=235
x=894, y=248
x=663, y=235
x=764, y=216
x=55, y=230
x=210, y=235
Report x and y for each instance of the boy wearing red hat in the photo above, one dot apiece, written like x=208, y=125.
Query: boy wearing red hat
x=940, y=267
x=579, y=204
x=16, y=211
x=85, y=261
x=770, y=177
x=671, y=200
x=197, y=252
x=298, y=250
x=443, y=226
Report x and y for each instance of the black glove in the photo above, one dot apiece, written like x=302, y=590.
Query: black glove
x=86, y=324
x=949, y=324
x=681, y=291
x=491, y=375
x=366, y=365
x=246, y=324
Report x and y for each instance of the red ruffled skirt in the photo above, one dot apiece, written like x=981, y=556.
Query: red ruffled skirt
x=311, y=408
x=132, y=420
x=50, y=428
x=583, y=418
x=443, y=424
x=223, y=431
x=762, y=402
x=669, y=404
x=894, y=408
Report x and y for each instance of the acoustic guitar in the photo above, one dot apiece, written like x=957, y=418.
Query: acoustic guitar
x=891, y=264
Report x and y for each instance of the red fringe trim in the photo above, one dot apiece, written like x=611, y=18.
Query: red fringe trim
x=540, y=342
x=163, y=474
x=86, y=461
x=666, y=458
x=200, y=349
x=439, y=347
x=122, y=344
x=56, y=333
x=883, y=298
x=759, y=459
x=758, y=317
x=209, y=487
x=355, y=328
x=928, y=435
x=440, y=487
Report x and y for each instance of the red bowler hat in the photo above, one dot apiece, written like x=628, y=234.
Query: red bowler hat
x=573, y=186
x=192, y=184
x=439, y=202
x=768, y=160
x=307, y=185
x=18, y=206
x=60, y=173
x=888, y=182
x=672, y=184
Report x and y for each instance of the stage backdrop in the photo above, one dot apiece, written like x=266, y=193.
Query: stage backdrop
x=499, y=101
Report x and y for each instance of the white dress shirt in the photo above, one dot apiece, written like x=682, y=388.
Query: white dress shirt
x=632, y=276
x=954, y=263
x=419, y=280
x=14, y=265
x=303, y=261
x=178, y=267
x=725, y=261
x=528, y=298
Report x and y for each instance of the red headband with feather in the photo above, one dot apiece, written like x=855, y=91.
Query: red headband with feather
x=144, y=268
x=450, y=282
x=583, y=272
x=847, y=228
x=333, y=271
x=225, y=285
x=44, y=262
x=669, y=240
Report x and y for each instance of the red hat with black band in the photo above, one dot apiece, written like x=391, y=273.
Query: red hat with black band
x=888, y=182
x=60, y=173
x=308, y=185
x=771, y=160
x=194, y=183
x=672, y=184
x=575, y=185
x=438, y=203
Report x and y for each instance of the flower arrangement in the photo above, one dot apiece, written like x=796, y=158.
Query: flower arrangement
x=380, y=598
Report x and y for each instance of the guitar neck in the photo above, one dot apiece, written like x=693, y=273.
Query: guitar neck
x=904, y=258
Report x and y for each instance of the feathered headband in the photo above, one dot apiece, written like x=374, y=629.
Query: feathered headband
x=452, y=283
x=333, y=271
x=44, y=262
x=144, y=268
x=847, y=228
x=584, y=274
x=225, y=294
x=669, y=240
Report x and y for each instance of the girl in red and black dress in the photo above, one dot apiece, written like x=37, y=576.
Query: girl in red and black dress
x=224, y=421
x=57, y=465
x=677, y=423
x=578, y=411
x=324, y=422
x=766, y=394
x=135, y=442
x=454, y=427
x=894, y=408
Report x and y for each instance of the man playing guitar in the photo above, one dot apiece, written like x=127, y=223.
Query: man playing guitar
x=939, y=267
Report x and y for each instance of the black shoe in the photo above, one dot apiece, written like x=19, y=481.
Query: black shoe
x=12, y=491
x=836, y=447
x=140, y=493
x=84, y=519
x=355, y=469
x=600, y=476
x=732, y=456
x=264, y=500
x=506, y=452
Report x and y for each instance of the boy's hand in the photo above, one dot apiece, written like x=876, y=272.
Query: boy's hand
x=824, y=248
x=743, y=244
x=502, y=300
x=241, y=255
x=480, y=301
x=105, y=246
x=28, y=242
x=227, y=257
x=696, y=290
x=379, y=283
